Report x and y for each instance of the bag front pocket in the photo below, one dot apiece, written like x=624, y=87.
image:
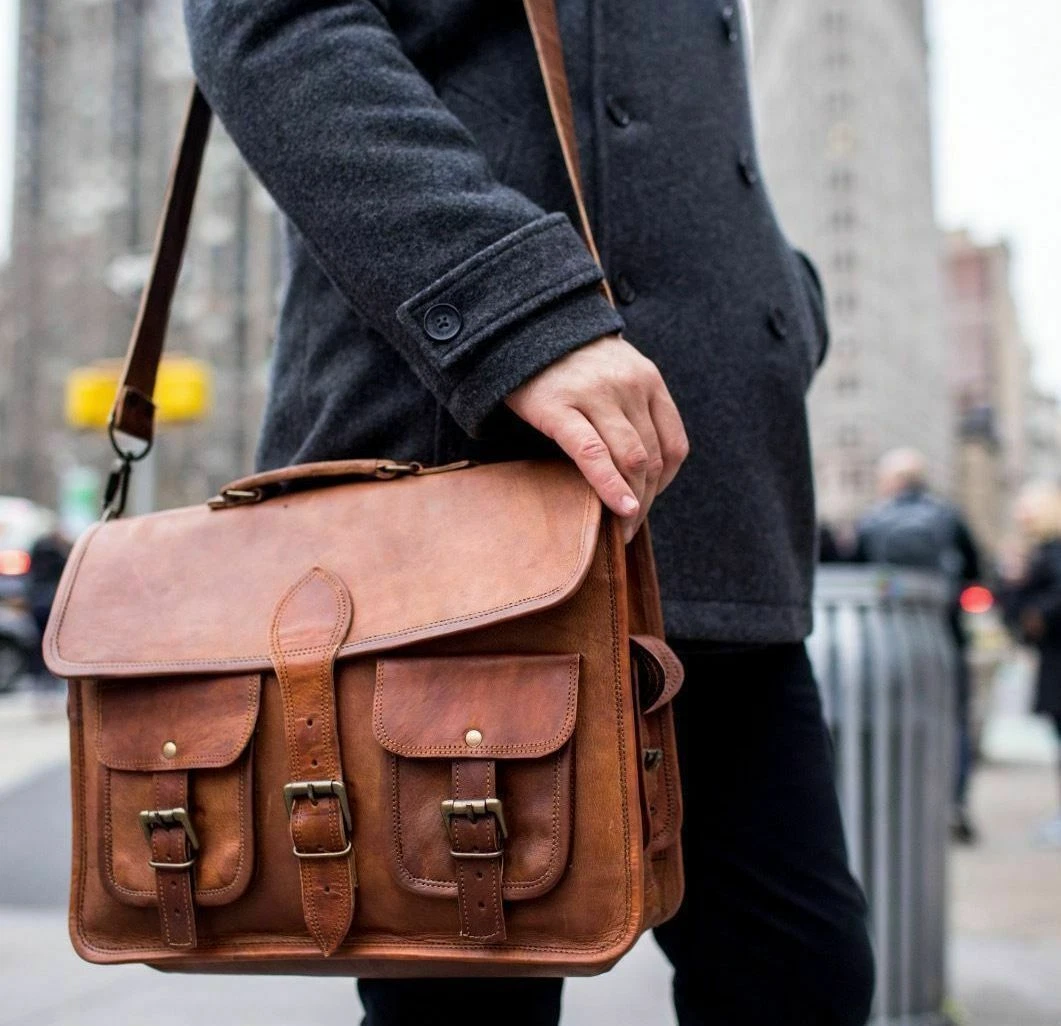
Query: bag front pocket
x=481, y=769
x=175, y=752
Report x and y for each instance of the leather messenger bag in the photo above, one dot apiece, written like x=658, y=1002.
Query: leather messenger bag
x=365, y=717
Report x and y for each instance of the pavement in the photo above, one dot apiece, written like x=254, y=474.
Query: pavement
x=1005, y=912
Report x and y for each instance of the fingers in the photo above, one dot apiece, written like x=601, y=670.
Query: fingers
x=646, y=455
x=673, y=441
x=574, y=433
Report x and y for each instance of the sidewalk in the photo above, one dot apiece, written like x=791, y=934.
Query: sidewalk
x=1005, y=951
x=1006, y=905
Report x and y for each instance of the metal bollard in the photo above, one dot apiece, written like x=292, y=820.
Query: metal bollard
x=884, y=659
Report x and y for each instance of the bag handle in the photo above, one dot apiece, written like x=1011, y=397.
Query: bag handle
x=133, y=412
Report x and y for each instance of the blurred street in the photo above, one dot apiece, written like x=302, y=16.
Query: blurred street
x=1004, y=953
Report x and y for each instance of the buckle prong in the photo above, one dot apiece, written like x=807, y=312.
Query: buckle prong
x=473, y=808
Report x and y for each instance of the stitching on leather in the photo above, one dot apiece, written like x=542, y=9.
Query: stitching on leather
x=542, y=747
x=617, y=665
x=250, y=717
x=350, y=649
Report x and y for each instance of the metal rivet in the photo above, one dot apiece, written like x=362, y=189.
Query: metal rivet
x=473, y=738
x=169, y=749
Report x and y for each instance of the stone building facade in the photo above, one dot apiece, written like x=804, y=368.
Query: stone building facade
x=102, y=86
x=843, y=110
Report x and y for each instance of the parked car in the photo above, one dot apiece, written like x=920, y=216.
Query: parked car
x=22, y=524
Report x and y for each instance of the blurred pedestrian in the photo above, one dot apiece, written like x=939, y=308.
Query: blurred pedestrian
x=1031, y=602
x=440, y=305
x=48, y=557
x=911, y=527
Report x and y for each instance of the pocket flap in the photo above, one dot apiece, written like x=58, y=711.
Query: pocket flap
x=519, y=707
x=176, y=723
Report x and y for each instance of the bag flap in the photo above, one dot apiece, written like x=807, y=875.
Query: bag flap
x=475, y=707
x=194, y=590
x=176, y=723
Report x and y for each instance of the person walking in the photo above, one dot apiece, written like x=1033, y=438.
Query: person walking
x=1031, y=602
x=911, y=527
x=439, y=305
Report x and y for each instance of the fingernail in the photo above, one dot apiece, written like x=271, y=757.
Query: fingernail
x=628, y=504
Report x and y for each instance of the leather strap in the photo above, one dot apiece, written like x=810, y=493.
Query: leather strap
x=169, y=845
x=478, y=849
x=133, y=412
x=309, y=625
x=134, y=409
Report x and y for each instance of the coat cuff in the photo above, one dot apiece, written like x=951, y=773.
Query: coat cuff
x=507, y=312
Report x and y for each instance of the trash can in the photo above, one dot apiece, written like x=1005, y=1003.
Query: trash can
x=884, y=658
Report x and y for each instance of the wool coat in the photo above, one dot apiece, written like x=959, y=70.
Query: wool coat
x=432, y=266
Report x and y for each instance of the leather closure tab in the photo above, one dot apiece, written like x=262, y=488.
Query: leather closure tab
x=309, y=625
x=477, y=838
x=659, y=672
x=173, y=848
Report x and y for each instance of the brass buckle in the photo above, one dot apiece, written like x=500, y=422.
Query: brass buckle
x=314, y=790
x=162, y=819
x=473, y=808
x=236, y=497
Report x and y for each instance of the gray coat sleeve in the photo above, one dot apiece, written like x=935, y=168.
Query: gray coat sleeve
x=392, y=196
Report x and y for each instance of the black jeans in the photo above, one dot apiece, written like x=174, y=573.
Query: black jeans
x=772, y=931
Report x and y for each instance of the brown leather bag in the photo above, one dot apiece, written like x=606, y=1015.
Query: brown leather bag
x=392, y=721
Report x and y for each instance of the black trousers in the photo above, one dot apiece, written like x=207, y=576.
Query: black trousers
x=772, y=931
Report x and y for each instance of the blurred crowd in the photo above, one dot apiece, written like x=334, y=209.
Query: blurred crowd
x=914, y=528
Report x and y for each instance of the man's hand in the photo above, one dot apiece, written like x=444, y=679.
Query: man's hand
x=607, y=407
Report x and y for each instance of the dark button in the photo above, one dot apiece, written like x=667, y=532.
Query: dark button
x=749, y=172
x=778, y=323
x=730, y=22
x=442, y=322
x=617, y=112
x=624, y=291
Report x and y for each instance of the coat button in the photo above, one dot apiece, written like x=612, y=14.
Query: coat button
x=624, y=290
x=730, y=21
x=442, y=322
x=749, y=172
x=617, y=112
x=778, y=323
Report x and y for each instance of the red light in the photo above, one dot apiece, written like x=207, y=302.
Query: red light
x=977, y=599
x=13, y=562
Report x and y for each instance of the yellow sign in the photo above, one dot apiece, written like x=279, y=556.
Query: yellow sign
x=182, y=394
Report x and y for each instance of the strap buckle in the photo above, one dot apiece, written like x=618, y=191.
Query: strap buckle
x=473, y=808
x=314, y=790
x=164, y=819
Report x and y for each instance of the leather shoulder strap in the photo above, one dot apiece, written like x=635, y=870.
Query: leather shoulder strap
x=134, y=409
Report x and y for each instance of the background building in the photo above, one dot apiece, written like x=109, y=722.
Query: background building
x=1008, y=429
x=101, y=90
x=843, y=111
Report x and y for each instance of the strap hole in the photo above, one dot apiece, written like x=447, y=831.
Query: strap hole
x=482, y=904
x=478, y=874
x=314, y=763
x=309, y=721
x=327, y=889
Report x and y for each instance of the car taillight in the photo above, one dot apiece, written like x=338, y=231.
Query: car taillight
x=14, y=562
x=977, y=599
